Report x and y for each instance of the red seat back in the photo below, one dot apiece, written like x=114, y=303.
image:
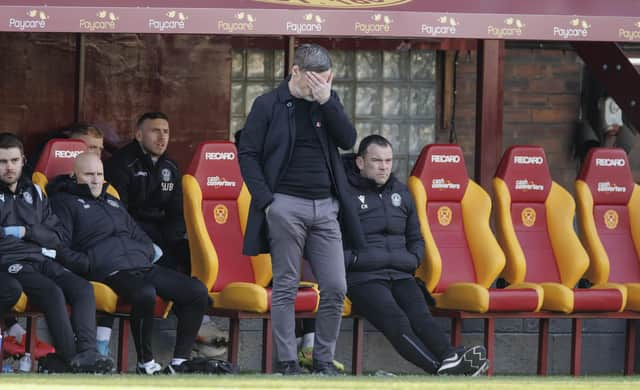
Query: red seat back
x=525, y=171
x=58, y=155
x=442, y=171
x=607, y=173
x=215, y=167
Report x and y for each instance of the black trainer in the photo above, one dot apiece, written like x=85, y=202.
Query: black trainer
x=325, y=368
x=289, y=367
x=91, y=361
x=472, y=362
x=171, y=369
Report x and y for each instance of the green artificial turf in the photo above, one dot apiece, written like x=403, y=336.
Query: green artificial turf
x=133, y=382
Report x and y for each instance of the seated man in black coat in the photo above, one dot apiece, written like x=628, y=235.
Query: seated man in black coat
x=30, y=253
x=380, y=278
x=106, y=245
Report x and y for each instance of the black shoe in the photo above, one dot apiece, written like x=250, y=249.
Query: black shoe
x=289, y=367
x=173, y=369
x=325, y=368
x=91, y=361
x=472, y=362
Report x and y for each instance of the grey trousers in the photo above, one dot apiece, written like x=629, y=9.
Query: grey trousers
x=301, y=227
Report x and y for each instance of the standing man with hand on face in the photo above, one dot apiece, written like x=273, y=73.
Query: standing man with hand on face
x=290, y=161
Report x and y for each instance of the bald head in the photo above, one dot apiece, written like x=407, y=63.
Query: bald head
x=87, y=169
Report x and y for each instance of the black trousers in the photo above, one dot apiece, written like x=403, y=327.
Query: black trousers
x=175, y=256
x=10, y=291
x=140, y=287
x=50, y=286
x=305, y=326
x=398, y=309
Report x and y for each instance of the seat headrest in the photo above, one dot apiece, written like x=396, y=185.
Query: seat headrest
x=525, y=171
x=443, y=173
x=215, y=167
x=608, y=175
x=58, y=155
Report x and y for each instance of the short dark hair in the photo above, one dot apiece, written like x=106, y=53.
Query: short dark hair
x=151, y=115
x=312, y=57
x=372, y=139
x=85, y=129
x=10, y=140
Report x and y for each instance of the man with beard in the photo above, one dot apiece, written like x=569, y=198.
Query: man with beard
x=30, y=251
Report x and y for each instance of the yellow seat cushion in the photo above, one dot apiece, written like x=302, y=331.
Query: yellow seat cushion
x=242, y=296
x=557, y=297
x=106, y=298
x=633, y=296
x=464, y=296
x=21, y=305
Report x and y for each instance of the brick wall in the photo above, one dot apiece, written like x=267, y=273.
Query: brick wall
x=541, y=104
x=186, y=76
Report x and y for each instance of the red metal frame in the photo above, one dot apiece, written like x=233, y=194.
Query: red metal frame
x=123, y=345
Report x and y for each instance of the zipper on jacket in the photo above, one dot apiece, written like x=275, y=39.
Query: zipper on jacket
x=386, y=221
x=101, y=202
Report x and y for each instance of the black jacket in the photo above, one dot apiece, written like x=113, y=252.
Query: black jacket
x=29, y=208
x=395, y=246
x=151, y=192
x=99, y=235
x=265, y=149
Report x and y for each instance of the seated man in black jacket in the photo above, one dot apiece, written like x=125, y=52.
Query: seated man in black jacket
x=30, y=252
x=149, y=184
x=380, y=278
x=107, y=245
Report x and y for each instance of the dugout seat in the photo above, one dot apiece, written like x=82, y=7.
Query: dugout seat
x=216, y=206
x=462, y=256
x=608, y=203
x=534, y=225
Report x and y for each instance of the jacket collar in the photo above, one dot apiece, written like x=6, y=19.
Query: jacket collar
x=363, y=183
x=284, y=94
x=144, y=156
x=65, y=183
x=23, y=183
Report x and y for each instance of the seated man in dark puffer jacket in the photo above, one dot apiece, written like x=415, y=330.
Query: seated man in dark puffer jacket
x=106, y=245
x=380, y=278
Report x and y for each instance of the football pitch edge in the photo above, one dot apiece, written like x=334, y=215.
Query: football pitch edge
x=193, y=382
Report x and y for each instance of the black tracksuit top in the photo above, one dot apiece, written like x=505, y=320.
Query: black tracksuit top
x=152, y=193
